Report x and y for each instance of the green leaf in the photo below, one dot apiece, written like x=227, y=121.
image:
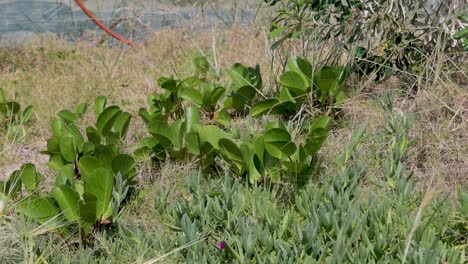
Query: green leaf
x=67, y=116
x=27, y=114
x=53, y=145
x=303, y=67
x=242, y=76
x=88, y=208
x=168, y=84
x=121, y=124
x=12, y=108
x=67, y=149
x=125, y=165
x=145, y=115
x=201, y=64
x=192, y=118
x=463, y=33
x=81, y=109
x=263, y=107
x=222, y=117
x=29, y=177
x=294, y=82
x=192, y=95
x=231, y=152
x=106, y=153
x=39, y=208
x=73, y=132
x=192, y=142
x=57, y=127
x=278, y=31
x=324, y=122
x=168, y=135
x=210, y=134
x=99, y=105
x=87, y=165
x=88, y=149
x=55, y=162
x=278, y=143
x=93, y=135
x=327, y=80
x=100, y=183
x=211, y=95
x=66, y=173
x=315, y=140
x=252, y=162
x=68, y=201
x=106, y=120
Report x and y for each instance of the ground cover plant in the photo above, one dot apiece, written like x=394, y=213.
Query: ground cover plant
x=250, y=145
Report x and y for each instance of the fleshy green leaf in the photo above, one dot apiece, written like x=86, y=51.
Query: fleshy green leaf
x=68, y=201
x=100, y=183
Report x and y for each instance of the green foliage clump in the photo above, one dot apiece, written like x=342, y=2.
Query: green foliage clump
x=93, y=176
x=302, y=85
x=187, y=120
x=12, y=119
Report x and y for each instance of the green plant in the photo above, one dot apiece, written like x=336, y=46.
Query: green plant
x=12, y=119
x=246, y=83
x=93, y=175
x=274, y=155
x=26, y=176
x=301, y=85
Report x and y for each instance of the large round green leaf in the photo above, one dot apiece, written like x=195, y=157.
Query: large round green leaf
x=67, y=149
x=192, y=95
x=263, y=107
x=68, y=201
x=106, y=120
x=125, y=165
x=211, y=134
x=121, y=124
x=66, y=173
x=39, y=208
x=100, y=184
x=315, y=141
x=68, y=116
x=29, y=176
x=278, y=143
x=87, y=165
x=303, y=67
x=294, y=82
x=230, y=151
x=192, y=142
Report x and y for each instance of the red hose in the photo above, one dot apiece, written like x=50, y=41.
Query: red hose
x=101, y=25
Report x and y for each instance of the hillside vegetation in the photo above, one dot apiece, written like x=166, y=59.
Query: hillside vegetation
x=297, y=140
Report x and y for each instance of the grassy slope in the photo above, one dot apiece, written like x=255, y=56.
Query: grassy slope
x=52, y=75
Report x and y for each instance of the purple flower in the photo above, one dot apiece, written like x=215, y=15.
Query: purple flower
x=221, y=245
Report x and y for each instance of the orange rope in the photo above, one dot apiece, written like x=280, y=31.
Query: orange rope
x=101, y=25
